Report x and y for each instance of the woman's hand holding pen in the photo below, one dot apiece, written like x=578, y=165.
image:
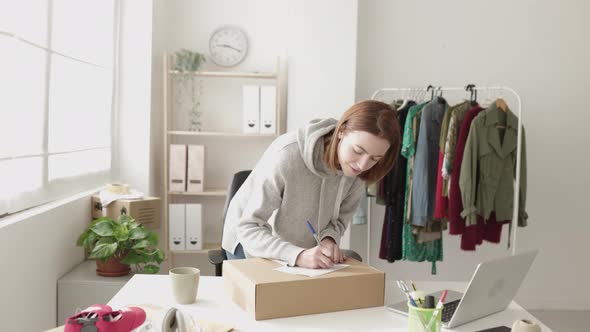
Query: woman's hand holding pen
x=325, y=254
x=314, y=258
x=334, y=251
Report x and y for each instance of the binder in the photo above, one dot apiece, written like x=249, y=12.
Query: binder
x=176, y=222
x=196, y=168
x=251, y=108
x=177, y=167
x=268, y=106
x=194, y=227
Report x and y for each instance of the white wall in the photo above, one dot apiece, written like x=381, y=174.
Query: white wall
x=37, y=247
x=133, y=159
x=322, y=59
x=540, y=49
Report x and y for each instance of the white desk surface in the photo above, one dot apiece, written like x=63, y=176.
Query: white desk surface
x=214, y=304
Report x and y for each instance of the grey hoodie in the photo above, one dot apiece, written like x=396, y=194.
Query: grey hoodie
x=292, y=179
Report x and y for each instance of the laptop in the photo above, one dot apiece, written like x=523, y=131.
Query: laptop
x=493, y=285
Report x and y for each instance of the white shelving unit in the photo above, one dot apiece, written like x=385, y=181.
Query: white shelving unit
x=180, y=135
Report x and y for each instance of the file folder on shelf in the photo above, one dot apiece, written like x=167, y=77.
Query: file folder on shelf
x=176, y=222
x=251, y=108
x=268, y=101
x=196, y=168
x=177, y=167
x=194, y=227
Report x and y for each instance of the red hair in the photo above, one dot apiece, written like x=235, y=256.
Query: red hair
x=374, y=117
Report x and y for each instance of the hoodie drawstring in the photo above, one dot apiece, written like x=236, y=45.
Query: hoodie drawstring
x=321, y=203
x=337, y=202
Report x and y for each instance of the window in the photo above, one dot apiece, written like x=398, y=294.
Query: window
x=56, y=98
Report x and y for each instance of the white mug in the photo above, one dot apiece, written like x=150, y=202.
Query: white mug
x=185, y=284
x=525, y=325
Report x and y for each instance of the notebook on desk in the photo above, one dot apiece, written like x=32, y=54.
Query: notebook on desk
x=493, y=285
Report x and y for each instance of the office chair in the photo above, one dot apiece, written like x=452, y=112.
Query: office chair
x=217, y=256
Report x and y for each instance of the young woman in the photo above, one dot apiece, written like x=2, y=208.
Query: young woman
x=315, y=174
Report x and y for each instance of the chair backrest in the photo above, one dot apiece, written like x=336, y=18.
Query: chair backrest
x=235, y=184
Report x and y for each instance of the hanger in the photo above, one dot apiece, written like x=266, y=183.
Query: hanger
x=439, y=96
x=488, y=100
x=404, y=100
x=468, y=88
x=501, y=104
x=432, y=93
x=473, y=96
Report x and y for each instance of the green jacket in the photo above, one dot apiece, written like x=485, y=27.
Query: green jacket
x=488, y=168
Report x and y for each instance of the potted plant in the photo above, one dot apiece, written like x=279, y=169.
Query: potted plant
x=116, y=244
x=186, y=62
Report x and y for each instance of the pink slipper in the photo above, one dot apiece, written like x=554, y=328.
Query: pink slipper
x=122, y=320
x=88, y=316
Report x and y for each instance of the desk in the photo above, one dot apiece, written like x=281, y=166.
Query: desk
x=214, y=304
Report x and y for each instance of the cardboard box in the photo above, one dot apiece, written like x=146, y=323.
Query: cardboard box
x=146, y=211
x=255, y=286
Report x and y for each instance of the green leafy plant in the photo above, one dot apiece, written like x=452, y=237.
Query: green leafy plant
x=187, y=60
x=124, y=239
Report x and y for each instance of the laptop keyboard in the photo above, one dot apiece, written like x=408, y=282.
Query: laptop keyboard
x=449, y=310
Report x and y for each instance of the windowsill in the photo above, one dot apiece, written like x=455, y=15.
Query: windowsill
x=23, y=215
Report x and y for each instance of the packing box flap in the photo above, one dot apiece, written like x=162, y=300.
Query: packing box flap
x=255, y=286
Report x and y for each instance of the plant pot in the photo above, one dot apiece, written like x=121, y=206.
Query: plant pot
x=112, y=268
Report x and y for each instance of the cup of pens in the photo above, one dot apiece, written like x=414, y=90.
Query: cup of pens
x=425, y=316
x=418, y=319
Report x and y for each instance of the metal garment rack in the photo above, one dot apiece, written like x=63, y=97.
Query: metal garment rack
x=518, y=150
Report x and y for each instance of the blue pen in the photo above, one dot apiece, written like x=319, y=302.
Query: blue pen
x=406, y=291
x=315, y=235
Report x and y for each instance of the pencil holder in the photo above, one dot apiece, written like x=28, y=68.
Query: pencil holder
x=419, y=316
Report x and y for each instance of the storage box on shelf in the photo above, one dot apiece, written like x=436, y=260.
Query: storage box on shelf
x=225, y=146
x=145, y=211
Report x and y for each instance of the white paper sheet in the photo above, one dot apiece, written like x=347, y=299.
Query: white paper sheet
x=310, y=272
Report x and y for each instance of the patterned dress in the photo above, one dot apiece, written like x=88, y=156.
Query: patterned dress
x=411, y=250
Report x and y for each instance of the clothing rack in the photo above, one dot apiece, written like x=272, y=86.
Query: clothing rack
x=518, y=148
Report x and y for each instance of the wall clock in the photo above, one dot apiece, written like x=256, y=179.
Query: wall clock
x=228, y=46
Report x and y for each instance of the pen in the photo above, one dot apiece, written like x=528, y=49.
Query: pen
x=415, y=290
x=402, y=285
x=315, y=235
x=439, y=306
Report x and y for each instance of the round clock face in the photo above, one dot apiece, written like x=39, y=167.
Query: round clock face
x=228, y=46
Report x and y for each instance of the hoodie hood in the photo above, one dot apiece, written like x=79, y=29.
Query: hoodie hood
x=311, y=146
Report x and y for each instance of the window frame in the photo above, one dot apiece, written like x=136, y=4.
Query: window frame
x=52, y=190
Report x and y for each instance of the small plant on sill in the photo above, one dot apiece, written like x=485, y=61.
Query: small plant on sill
x=123, y=240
